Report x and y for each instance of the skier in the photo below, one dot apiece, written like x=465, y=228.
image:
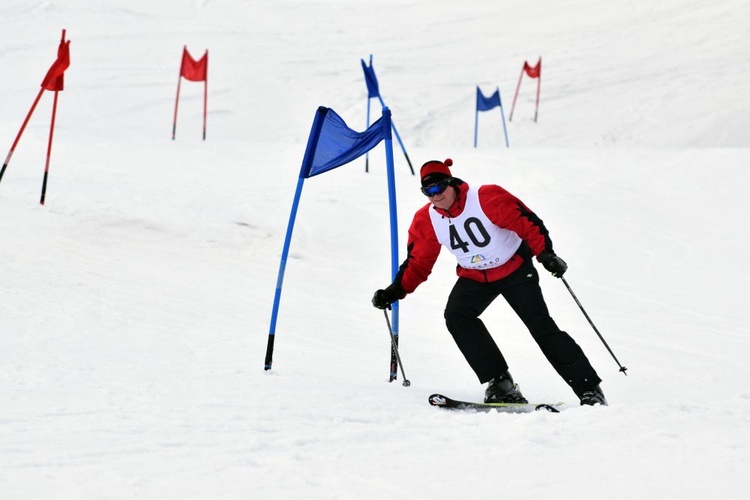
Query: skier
x=494, y=237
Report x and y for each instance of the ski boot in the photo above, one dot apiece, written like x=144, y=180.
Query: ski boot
x=502, y=389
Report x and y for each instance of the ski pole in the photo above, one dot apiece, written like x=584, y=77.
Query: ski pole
x=406, y=382
x=622, y=368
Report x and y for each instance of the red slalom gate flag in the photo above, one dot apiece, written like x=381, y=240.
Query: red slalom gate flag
x=195, y=71
x=533, y=72
x=54, y=80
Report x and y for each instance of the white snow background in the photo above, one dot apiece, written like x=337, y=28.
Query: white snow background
x=135, y=304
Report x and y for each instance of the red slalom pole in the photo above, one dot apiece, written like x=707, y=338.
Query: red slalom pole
x=538, y=88
x=49, y=149
x=205, y=98
x=176, y=101
x=20, y=132
x=205, y=104
x=518, y=87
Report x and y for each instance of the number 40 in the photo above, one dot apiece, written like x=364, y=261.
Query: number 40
x=471, y=225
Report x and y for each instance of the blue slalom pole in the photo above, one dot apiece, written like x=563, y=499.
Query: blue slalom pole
x=312, y=143
x=502, y=114
x=476, y=125
x=280, y=278
x=387, y=126
x=367, y=155
x=372, y=90
x=398, y=137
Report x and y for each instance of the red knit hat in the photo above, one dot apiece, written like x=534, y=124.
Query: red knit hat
x=434, y=171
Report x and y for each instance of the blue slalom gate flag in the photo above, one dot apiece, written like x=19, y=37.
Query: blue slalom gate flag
x=374, y=91
x=370, y=79
x=487, y=103
x=333, y=144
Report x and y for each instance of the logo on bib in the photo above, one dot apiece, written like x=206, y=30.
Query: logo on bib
x=478, y=258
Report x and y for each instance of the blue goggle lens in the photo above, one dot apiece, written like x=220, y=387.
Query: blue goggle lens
x=437, y=188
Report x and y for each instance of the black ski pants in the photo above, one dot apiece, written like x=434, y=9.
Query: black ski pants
x=469, y=299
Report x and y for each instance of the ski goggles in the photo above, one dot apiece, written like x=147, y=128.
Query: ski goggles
x=437, y=188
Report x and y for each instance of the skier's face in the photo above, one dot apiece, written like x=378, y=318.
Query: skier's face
x=445, y=199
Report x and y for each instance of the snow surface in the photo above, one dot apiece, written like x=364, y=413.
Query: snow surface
x=136, y=302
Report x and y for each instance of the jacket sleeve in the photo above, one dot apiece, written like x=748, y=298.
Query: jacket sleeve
x=422, y=249
x=508, y=212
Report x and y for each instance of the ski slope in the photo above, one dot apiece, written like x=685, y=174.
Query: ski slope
x=136, y=302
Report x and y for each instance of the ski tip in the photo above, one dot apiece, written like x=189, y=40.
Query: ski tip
x=438, y=400
x=546, y=407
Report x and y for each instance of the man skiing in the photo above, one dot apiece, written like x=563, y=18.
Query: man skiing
x=494, y=237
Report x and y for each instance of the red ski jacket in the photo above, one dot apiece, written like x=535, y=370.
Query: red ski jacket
x=502, y=208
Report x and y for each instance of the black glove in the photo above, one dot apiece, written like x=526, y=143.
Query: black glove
x=553, y=263
x=382, y=299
